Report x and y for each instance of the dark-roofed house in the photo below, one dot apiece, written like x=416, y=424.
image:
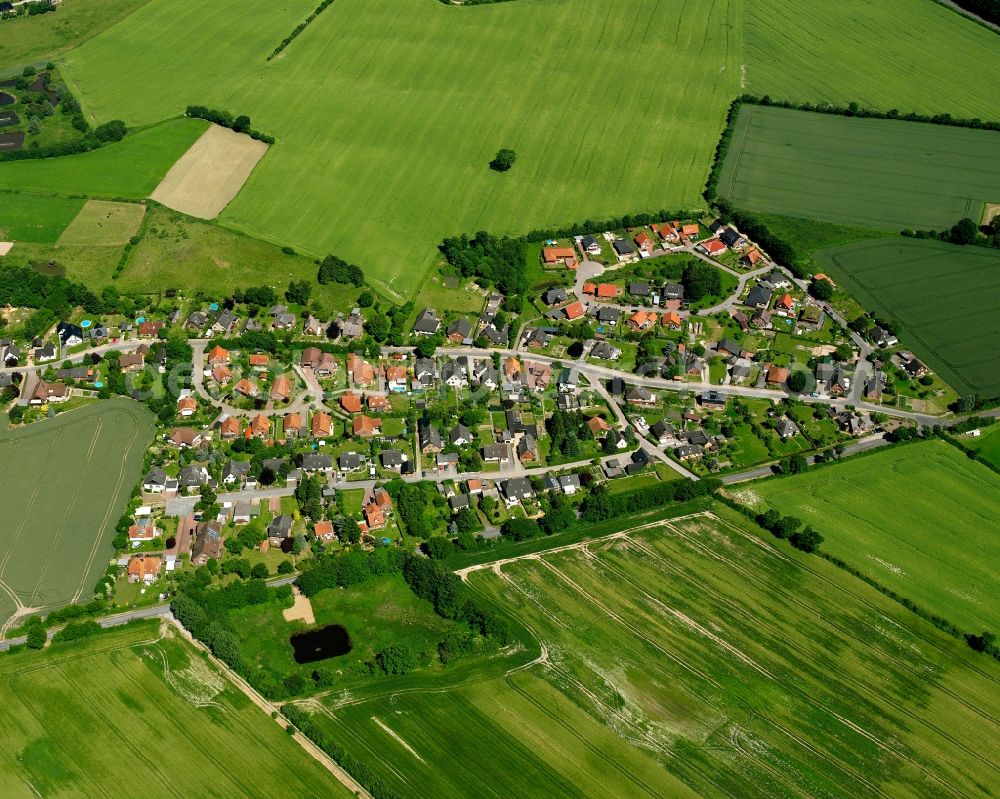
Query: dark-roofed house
x=787, y=428
x=427, y=323
x=460, y=435
x=350, y=461
x=207, y=543
x=591, y=245
x=69, y=335
x=155, y=482
x=516, y=489
x=731, y=238
x=496, y=453
x=624, y=249
x=608, y=316
x=280, y=528
x=759, y=297
x=640, y=395
x=430, y=438
x=554, y=296
x=392, y=459
x=314, y=462
x=711, y=398
x=638, y=289
x=605, y=351
x=459, y=330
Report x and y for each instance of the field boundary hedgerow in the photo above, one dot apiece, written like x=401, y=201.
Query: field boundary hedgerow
x=291, y=37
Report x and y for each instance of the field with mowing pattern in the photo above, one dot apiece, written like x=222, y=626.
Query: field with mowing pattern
x=136, y=713
x=689, y=658
x=920, y=519
x=880, y=173
x=946, y=299
x=63, y=485
x=34, y=218
x=129, y=169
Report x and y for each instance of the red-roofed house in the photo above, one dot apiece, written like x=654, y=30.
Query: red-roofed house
x=785, y=302
x=217, y=355
x=281, y=389
x=666, y=231
x=377, y=402
x=230, y=427
x=324, y=530
x=363, y=425
x=564, y=255
x=186, y=406
x=222, y=374
x=752, y=257
x=574, y=311
x=589, y=288
x=672, y=320
x=143, y=568
x=260, y=427
x=607, y=291
x=350, y=402
x=712, y=247
x=322, y=424
x=644, y=242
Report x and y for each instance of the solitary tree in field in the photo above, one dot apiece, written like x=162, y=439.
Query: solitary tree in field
x=503, y=160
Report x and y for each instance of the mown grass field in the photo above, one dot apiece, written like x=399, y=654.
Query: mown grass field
x=878, y=173
x=35, y=218
x=132, y=713
x=920, y=519
x=384, y=137
x=129, y=169
x=945, y=298
x=913, y=55
x=63, y=484
x=690, y=658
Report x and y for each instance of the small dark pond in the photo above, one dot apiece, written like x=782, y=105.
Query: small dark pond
x=321, y=643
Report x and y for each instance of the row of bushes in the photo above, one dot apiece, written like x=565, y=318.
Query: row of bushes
x=356, y=768
x=721, y=149
x=775, y=246
x=601, y=505
x=299, y=28
x=241, y=124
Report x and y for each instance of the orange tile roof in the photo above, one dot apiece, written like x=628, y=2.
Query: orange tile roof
x=245, y=387
x=574, y=311
x=607, y=290
x=259, y=359
x=281, y=388
x=786, y=302
x=230, y=426
x=374, y=516
x=689, y=230
x=671, y=319
x=218, y=355
x=260, y=425
x=644, y=239
x=589, y=288
x=365, y=425
x=713, y=246
x=222, y=374
x=511, y=366
x=753, y=256
x=323, y=529
x=553, y=254
x=142, y=565
x=322, y=424
x=351, y=402
x=377, y=402
x=187, y=404
x=597, y=424
x=292, y=421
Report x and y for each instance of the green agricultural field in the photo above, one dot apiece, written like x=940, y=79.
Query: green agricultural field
x=63, y=484
x=920, y=519
x=383, y=139
x=880, y=173
x=34, y=218
x=28, y=40
x=129, y=169
x=688, y=658
x=913, y=55
x=945, y=298
x=139, y=712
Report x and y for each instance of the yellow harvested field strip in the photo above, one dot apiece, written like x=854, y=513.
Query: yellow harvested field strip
x=210, y=174
x=103, y=223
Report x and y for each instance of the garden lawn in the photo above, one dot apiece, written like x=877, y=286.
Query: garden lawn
x=690, y=658
x=131, y=708
x=63, y=486
x=384, y=137
x=35, y=219
x=945, y=298
x=920, y=519
x=878, y=173
x=128, y=169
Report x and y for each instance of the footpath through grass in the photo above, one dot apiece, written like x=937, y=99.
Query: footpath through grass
x=920, y=519
x=692, y=658
x=945, y=297
x=132, y=713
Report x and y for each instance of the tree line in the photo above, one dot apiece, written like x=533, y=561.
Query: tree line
x=240, y=124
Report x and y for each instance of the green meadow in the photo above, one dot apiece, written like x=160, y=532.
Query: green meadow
x=987, y=444
x=63, y=485
x=139, y=712
x=33, y=218
x=920, y=519
x=129, y=169
x=944, y=297
x=879, y=173
x=691, y=657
